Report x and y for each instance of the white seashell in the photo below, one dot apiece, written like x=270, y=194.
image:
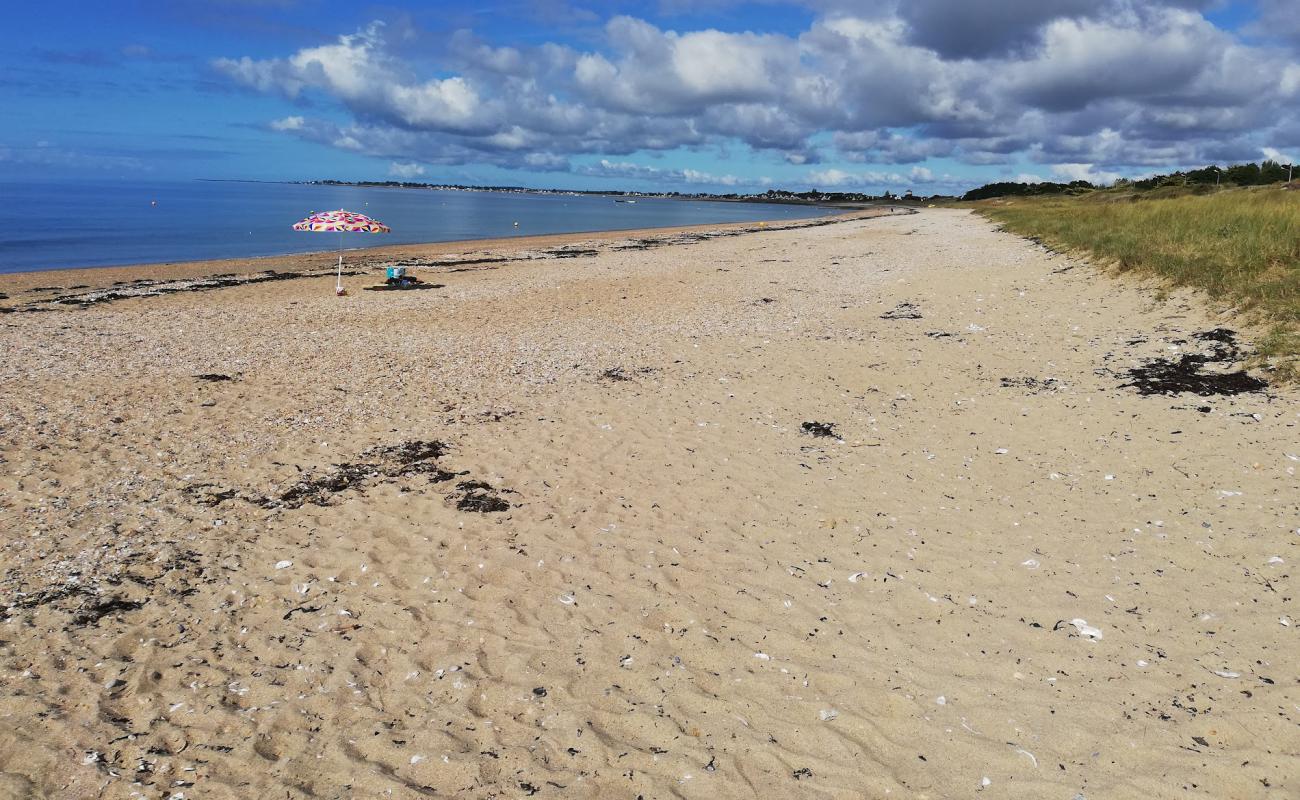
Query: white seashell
x=1085, y=629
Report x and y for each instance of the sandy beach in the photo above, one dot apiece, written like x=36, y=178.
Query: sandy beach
x=880, y=506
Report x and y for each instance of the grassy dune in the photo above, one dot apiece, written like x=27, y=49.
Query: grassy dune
x=1239, y=245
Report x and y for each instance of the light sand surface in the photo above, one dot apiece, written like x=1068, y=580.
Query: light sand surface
x=1009, y=576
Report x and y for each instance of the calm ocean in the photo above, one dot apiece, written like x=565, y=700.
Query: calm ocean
x=55, y=225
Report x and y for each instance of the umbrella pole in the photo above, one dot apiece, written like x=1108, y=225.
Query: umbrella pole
x=338, y=285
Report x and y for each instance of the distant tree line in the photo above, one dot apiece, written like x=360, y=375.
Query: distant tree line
x=812, y=196
x=1236, y=175
x=1011, y=189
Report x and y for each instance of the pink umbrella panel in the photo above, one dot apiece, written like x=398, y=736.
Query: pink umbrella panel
x=340, y=222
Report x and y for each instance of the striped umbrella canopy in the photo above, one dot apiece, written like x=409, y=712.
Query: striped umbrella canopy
x=340, y=222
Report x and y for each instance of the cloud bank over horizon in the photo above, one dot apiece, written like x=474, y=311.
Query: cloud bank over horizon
x=749, y=94
x=1085, y=88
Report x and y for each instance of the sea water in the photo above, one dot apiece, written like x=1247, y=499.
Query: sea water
x=90, y=224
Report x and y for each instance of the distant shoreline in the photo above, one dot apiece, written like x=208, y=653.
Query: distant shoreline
x=27, y=252
x=812, y=199
x=24, y=280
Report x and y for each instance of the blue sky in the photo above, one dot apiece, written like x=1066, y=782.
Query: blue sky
x=710, y=95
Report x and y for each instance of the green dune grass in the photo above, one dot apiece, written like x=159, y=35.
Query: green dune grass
x=1239, y=245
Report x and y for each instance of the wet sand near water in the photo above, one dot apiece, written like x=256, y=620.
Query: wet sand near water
x=873, y=508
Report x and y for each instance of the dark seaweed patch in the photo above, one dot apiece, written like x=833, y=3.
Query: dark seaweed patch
x=480, y=497
x=92, y=613
x=146, y=287
x=619, y=374
x=1186, y=372
x=410, y=287
x=820, y=429
x=205, y=494
x=459, y=262
x=88, y=602
x=403, y=460
x=570, y=252
x=640, y=244
x=1032, y=384
x=320, y=490
x=903, y=311
x=213, y=377
x=408, y=453
x=388, y=461
x=1220, y=335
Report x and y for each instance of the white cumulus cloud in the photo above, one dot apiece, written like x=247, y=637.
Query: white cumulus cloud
x=1088, y=88
x=405, y=171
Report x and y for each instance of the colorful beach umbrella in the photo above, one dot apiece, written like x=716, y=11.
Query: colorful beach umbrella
x=340, y=222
